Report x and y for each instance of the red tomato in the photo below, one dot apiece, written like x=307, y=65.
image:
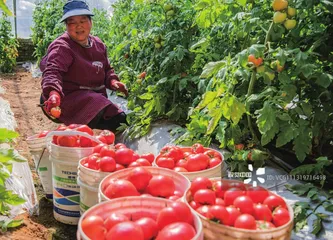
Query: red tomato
x=245, y=221
x=200, y=183
x=148, y=226
x=97, y=149
x=86, y=129
x=197, y=148
x=173, y=198
x=119, y=145
x=195, y=205
x=176, y=231
x=218, y=213
x=92, y=161
x=234, y=213
x=178, y=193
x=239, y=185
x=214, y=162
x=43, y=134
x=66, y=141
x=124, y=156
x=119, y=166
x=143, y=162
x=280, y=216
x=257, y=194
x=182, y=163
x=161, y=186
x=120, y=188
x=84, y=142
x=244, y=204
x=251, y=58
x=102, y=139
x=73, y=126
x=231, y=194
x=166, y=216
x=165, y=162
x=173, y=152
x=107, y=164
x=134, y=164
x=219, y=201
x=125, y=231
x=140, y=178
x=184, y=212
x=264, y=225
x=113, y=219
x=107, y=151
x=180, y=169
x=135, y=157
x=204, y=211
x=93, y=227
x=55, y=112
x=197, y=162
x=219, y=188
x=274, y=201
x=262, y=212
x=149, y=156
x=212, y=154
x=108, y=135
x=205, y=196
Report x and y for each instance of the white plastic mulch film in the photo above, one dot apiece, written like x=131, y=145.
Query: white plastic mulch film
x=25, y=8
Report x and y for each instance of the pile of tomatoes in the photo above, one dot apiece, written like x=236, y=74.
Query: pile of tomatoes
x=104, y=136
x=141, y=182
x=173, y=222
x=108, y=158
x=188, y=159
x=238, y=205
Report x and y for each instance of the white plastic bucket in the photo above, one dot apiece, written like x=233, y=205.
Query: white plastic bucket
x=40, y=155
x=66, y=191
x=89, y=180
x=217, y=171
x=128, y=205
x=182, y=183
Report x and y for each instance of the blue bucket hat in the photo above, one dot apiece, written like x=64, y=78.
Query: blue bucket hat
x=75, y=8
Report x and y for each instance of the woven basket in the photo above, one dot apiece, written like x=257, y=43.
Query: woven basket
x=147, y=206
x=215, y=231
x=181, y=182
x=217, y=171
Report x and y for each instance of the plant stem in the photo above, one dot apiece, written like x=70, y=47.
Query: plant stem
x=249, y=92
x=270, y=29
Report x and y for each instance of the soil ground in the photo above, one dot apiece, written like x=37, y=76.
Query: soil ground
x=22, y=91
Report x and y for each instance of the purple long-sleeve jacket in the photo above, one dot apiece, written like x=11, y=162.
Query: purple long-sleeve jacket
x=80, y=75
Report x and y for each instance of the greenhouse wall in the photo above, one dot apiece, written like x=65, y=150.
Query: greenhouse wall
x=25, y=8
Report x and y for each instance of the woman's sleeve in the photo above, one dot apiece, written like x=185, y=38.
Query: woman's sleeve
x=59, y=59
x=109, y=73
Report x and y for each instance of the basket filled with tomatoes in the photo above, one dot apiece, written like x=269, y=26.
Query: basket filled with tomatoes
x=192, y=161
x=230, y=209
x=140, y=218
x=104, y=160
x=145, y=182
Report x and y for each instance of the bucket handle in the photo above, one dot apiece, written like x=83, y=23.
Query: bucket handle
x=68, y=133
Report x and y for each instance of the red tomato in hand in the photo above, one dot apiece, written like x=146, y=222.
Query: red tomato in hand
x=55, y=112
x=93, y=227
x=176, y=231
x=140, y=178
x=125, y=231
x=109, y=136
x=148, y=226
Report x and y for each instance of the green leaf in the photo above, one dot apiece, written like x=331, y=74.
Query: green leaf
x=329, y=207
x=270, y=134
x=300, y=224
x=5, y=8
x=212, y=68
x=300, y=189
x=288, y=131
x=324, y=80
x=12, y=198
x=303, y=142
x=221, y=133
x=266, y=118
x=232, y=108
x=146, y=96
x=317, y=226
x=182, y=84
x=208, y=97
x=242, y=2
x=6, y=135
x=307, y=69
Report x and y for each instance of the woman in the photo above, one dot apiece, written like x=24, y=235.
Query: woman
x=76, y=73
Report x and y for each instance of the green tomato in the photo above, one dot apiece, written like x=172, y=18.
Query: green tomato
x=163, y=43
x=157, y=39
x=157, y=45
x=167, y=7
x=170, y=13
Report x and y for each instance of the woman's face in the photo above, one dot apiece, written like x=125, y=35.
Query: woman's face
x=78, y=28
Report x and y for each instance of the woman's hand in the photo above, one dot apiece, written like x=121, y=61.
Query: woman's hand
x=119, y=86
x=53, y=101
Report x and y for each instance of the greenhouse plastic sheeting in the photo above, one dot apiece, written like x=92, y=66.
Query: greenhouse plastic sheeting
x=25, y=8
